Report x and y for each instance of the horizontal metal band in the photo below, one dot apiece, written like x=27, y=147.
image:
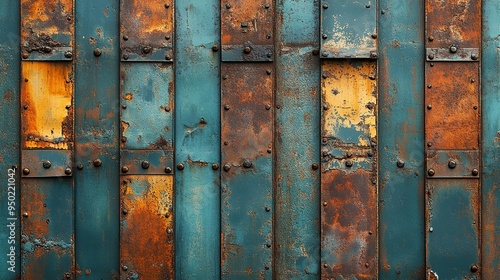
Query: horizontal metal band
x=148, y=54
x=452, y=53
x=452, y=164
x=47, y=163
x=247, y=52
x=146, y=162
x=360, y=54
x=48, y=54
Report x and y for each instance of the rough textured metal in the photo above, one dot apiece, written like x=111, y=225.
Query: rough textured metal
x=490, y=198
x=96, y=137
x=297, y=217
x=47, y=163
x=147, y=161
x=349, y=170
x=452, y=53
x=348, y=29
x=247, y=52
x=146, y=30
x=197, y=85
x=453, y=163
x=146, y=227
x=247, y=187
x=47, y=29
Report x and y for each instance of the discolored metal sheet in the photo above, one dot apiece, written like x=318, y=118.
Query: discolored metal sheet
x=147, y=162
x=349, y=29
x=247, y=176
x=47, y=105
x=452, y=106
x=47, y=163
x=453, y=228
x=349, y=229
x=147, y=232
x=146, y=30
x=147, y=106
x=453, y=23
x=47, y=29
x=452, y=164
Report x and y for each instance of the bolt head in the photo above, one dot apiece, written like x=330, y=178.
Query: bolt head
x=180, y=166
x=453, y=49
x=227, y=167
x=97, y=162
x=26, y=171
x=168, y=170
x=215, y=166
x=68, y=54
x=68, y=171
x=474, y=268
x=431, y=172
x=247, y=49
x=97, y=52
x=452, y=164
x=315, y=166
x=46, y=164
x=400, y=163
x=475, y=172
x=124, y=169
x=145, y=164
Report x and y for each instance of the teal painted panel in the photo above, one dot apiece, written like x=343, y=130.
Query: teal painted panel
x=401, y=126
x=491, y=140
x=348, y=29
x=97, y=138
x=9, y=151
x=197, y=138
x=297, y=234
x=147, y=98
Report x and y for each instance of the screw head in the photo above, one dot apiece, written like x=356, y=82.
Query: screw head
x=124, y=169
x=349, y=163
x=46, y=164
x=475, y=172
x=227, y=167
x=97, y=52
x=26, y=171
x=145, y=164
x=97, y=162
x=452, y=164
x=400, y=163
x=168, y=170
x=315, y=166
x=431, y=172
x=68, y=171
x=180, y=166
x=215, y=166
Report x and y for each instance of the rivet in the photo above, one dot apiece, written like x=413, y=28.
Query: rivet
x=269, y=55
x=268, y=245
x=26, y=171
x=167, y=6
x=367, y=264
x=145, y=164
x=268, y=107
x=124, y=169
x=369, y=154
x=269, y=151
x=429, y=144
x=267, y=6
x=430, y=56
x=169, y=231
x=268, y=36
x=167, y=37
x=25, y=107
x=97, y=162
x=431, y=172
x=371, y=77
x=382, y=12
x=25, y=214
x=472, y=80
x=453, y=49
x=180, y=166
x=429, y=106
x=125, y=56
x=247, y=164
x=475, y=107
x=324, y=54
x=226, y=143
x=474, y=56
x=325, y=203
x=168, y=170
x=373, y=54
x=215, y=166
x=475, y=172
x=124, y=211
x=224, y=77
x=431, y=229
x=400, y=163
x=167, y=109
x=429, y=86
x=268, y=72
x=367, y=6
x=79, y=166
x=325, y=6
x=168, y=57
x=431, y=38
x=228, y=6
x=68, y=54
x=227, y=107
x=125, y=37
x=47, y=49
x=431, y=64
x=124, y=139
x=315, y=52
x=67, y=275
x=268, y=209
x=227, y=167
x=474, y=268
x=370, y=232
x=324, y=76
x=348, y=163
x=452, y=164
x=46, y=164
x=25, y=54
x=325, y=265
x=97, y=52
x=324, y=36
x=325, y=107
x=68, y=106
x=315, y=166
x=146, y=49
x=26, y=80
x=247, y=49
x=124, y=267
x=374, y=36
x=68, y=171
x=349, y=155
x=215, y=48
x=266, y=267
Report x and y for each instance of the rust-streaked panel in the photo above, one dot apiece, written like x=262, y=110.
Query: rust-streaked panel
x=247, y=22
x=453, y=22
x=46, y=105
x=46, y=27
x=452, y=105
x=349, y=170
x=147, y=233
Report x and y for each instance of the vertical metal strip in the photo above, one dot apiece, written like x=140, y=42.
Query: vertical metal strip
x=402, y=173
x=491, y=140
x=452, y=136
x=297, y=254
x=9, y=165
x=197, y=137
x=96, y=138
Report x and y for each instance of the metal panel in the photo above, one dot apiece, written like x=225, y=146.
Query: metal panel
x=452, y=53
x=146, y=227
x=247, y=180
x=47, y=29
x=296, y=246
x=349, y=170
x=197, y=150
x=401, y=141
x=146, y=162
x=490, y=199
x=9, y=137
x=452, y=164
x=96, y=140
x=47, y=163
x=349, y=29
x=146, y=30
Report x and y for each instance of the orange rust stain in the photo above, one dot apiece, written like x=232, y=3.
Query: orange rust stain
x=147, y=19
x=146, y=246
x=46, y=17
x=33, y=203
x=128, y=96
x=46, y=96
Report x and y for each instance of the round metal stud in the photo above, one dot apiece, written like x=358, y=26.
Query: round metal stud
x=26, y=171
x=474, y=268
x=400, y=163
x=215, y=166
x=46, y=164
x=349, y=163
x=97, y=162
x=168, y=170
x=180, y=166
x=431, y=172
x=475, y=172
x=247, y=164
x=68, y=171
x=227, y=167
x=97, y=52
x=124, y=169
x=315, y=166
x=145, y=164
x=452, y=164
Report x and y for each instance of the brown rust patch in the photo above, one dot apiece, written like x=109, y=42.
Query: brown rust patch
x=33, y=203
x=47, y=114
x=146, y=234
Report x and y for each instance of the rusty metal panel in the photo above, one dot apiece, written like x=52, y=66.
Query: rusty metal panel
x=452, y=164
x=348, y=29
x=146, y=227
x=146, y=30
x=47, y=29
x=47, y=163
x=147, y=98
x=247, y=179
x=247, y=30
x=349, y=226
x=490, y=198
x=147, y=162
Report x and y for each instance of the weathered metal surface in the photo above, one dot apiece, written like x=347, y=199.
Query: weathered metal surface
x=401, y=123
x=453, y=228
x=47, y=29
x=490, y=198
x=147, y=98
x=348, y=29
x=47, y=235
x=9, y=137
x=47, y=163
x=147, y=162
x=247, y=180
x=197, y=86
x=453, y=164
x=146, y=227
x=47, y=105
x=247, y=52
x=146, y=30
x=96, y=169
x=452, y=105
x=349, y=174
x=297, y=217
x=452, y=53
